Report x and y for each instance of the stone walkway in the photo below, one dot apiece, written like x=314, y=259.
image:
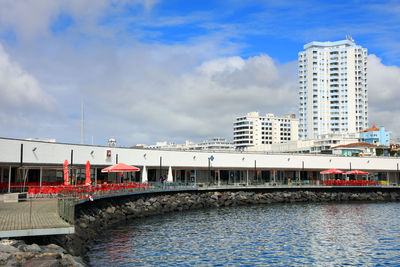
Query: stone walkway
x=39, y=214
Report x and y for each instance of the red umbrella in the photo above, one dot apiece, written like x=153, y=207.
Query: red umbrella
x=65, y=168
x=357, y=172
x=332, y=171
x=120, y=167
x=88, y=181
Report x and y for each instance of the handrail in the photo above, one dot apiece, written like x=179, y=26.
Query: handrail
x=69, y=194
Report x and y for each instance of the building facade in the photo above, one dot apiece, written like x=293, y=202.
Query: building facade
x=36, y=161
x=355, y=149
x=323, y=144
x=376, y=136
x=253, y=130
x=333, y=94
x=215, y=144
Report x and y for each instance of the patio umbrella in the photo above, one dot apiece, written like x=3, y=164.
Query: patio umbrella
x=65, y=169
x=357, y=172
x=332, y=171
x=144, y=175
x=170, y=178
x=120, y=167
x=88, y=181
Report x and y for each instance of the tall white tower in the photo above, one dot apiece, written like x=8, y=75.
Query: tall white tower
x=333, y=93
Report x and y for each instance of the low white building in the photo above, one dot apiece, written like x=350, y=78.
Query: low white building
x=255, y=132
x=324, y=143
x=355, y=149
x=321, y=145
x=188, y=145
x=215, y=144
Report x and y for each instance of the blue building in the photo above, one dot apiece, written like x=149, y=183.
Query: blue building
x=376, y=136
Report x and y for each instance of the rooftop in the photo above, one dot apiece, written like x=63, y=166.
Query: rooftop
x=373, y=129
x=361, y=144
x=329, y=44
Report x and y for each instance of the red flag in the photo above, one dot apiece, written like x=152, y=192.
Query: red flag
x=88, y=181
x=65, y=168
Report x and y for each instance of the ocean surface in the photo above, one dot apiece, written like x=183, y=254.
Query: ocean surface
x=356, y=234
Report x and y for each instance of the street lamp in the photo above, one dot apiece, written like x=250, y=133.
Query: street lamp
x=211, y=158
x=255, y=172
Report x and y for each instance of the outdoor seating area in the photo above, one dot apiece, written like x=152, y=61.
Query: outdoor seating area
x=22, y=187
x=79, y=191
x=346, y=181
x=349, y=183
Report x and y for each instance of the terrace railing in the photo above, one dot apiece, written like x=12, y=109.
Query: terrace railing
x=69, y=195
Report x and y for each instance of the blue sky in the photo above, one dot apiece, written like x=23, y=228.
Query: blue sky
x=146, y=64
x=254, y=27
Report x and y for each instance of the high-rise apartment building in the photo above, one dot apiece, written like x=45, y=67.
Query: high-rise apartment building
x=254, y=130
x=333, y=94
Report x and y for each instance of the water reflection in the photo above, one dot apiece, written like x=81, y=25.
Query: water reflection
x=296, y=234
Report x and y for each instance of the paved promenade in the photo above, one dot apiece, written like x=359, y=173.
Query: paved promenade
x=28, y=218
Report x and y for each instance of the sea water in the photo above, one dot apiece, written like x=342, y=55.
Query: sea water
x=363, y=234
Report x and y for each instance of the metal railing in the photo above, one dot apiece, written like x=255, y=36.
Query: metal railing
x=66, y=209
x=69, y=196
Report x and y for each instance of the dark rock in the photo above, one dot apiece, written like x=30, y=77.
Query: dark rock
x=45, y=261
x=4, y=257
x=83, y=225
x=214, y=197
x=8, y=248
x=12, y=263
x=53, y=248
x=110, y=210
x=69, y=260
x=19, y=256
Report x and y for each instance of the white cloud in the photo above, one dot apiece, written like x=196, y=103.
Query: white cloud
x=19, y=89
x=24, y=105
x=384, y=97
x=148, y=93
x=143, y=93
x=178, y=103
x=31, y=19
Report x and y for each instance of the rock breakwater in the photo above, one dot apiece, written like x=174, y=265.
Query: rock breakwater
x=18, y=253
x=93, y=217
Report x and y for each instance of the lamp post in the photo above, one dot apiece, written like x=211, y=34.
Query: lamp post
x=211, y=158
x=72, y=163
x=255, y=172
x=160, y=166
x=22, y=155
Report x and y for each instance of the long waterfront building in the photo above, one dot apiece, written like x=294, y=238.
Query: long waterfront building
x=35, y=161
x=333, y=92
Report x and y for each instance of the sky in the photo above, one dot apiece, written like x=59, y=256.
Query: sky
x=158, y=70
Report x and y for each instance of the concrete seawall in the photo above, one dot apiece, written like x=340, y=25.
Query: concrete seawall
x=93, y=217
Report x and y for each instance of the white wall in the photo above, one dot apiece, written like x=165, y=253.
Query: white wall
x=47, y=154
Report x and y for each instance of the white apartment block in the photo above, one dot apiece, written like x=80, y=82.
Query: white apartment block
x=253, y=130
x=333, y=94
